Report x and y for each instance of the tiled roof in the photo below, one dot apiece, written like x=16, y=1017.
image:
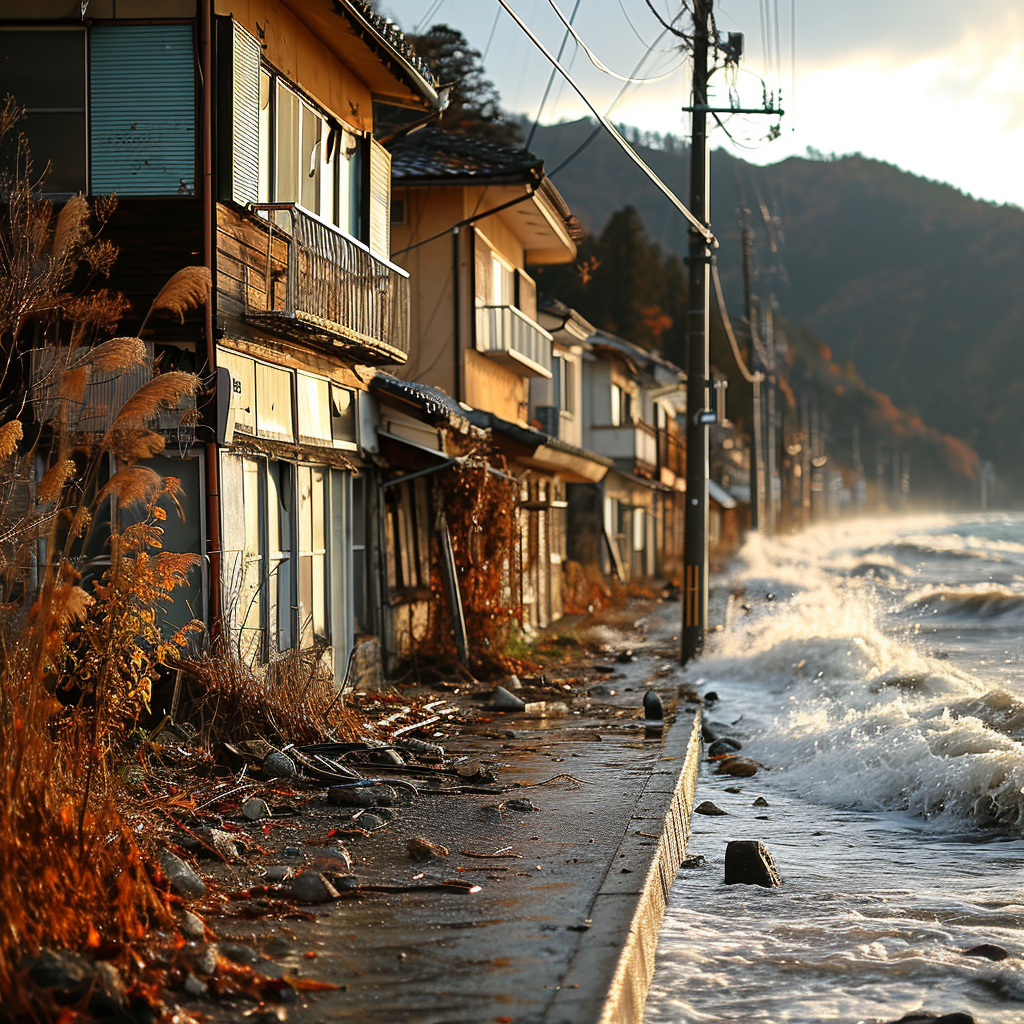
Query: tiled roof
x=391, y=34
x=433, y=401
x=432, y=155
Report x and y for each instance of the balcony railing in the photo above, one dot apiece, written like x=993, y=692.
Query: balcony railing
x=635, y=442
x=505, y=333
x=334, y=286
x=671, y=453
x=103, y=397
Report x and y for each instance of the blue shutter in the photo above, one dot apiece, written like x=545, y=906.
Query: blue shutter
x=142, y=111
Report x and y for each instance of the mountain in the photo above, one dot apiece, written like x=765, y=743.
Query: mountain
x=917, y=285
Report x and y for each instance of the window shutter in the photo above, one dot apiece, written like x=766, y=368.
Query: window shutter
x=245, y=115
x=380, y=200
x=482, y=270
x=143, y=132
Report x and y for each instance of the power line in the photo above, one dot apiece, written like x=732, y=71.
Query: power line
x=551, y=77
x=426, y=17
x=595, y=60
x=702, y=229
x=490, y=38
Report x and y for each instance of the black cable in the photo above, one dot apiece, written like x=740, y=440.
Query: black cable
x=551, y=77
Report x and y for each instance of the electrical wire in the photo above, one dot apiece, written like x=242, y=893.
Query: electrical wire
x=615, y=102
x=596, y=61
x=551, y=77
x=490, y=38
x=426, y=17
x=702, y=229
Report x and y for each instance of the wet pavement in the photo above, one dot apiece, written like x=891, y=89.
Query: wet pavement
x=564, y=923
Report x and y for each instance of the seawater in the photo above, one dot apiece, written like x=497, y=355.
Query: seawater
x=876, y=670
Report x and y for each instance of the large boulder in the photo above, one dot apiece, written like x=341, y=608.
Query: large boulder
x=748, y=862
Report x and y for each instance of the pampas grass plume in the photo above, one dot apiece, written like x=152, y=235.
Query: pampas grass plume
x=188, y=289
x=72, y=226
x=164, y=391
x=118, y=355
x=10, y=435
x=54, y=480
x=132, y=485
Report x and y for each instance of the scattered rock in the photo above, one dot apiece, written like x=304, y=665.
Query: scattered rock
x=625, y=657
x=424, y=849
x=311, y=887
x=741, y=767
x=344, y=883
x=707, y=807
x=988, y=951
x=512, y=682
x=279, y=945
x=503, y=700
x=724, y=745
x=687, y=694
x=278, y=766
x=924, y=1017
x=733, y=789
x=492, y=812
x=278, y=873
x=238, y=953
x=711, y=697
x=183, y=878
x=361, y=796
x=422, y=747
x=223, y=843
x=69, y=978
x=708, y=733
x=191, y=925
x=761, y=802
x=369, y=821
x=694, y=862
x=748, y=862
x=336, y=858
x=193, y=987
x=521, y=804
x=255, y=809
x=200, y=959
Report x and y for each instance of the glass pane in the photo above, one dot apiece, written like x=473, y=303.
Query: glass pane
x=287, y=176
x=44, y=69
x=309, y=168
x=263, y=190
x=57, y=140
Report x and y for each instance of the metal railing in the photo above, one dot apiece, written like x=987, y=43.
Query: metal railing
x=671, y=453
x=334, y=283
x=504, y=330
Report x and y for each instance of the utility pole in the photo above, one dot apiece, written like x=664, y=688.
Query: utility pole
x=759, y=518
x=695, y=523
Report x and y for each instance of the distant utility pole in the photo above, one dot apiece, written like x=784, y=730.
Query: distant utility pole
x=698, y=370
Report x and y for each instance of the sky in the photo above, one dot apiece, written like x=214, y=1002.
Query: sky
x=933, y=86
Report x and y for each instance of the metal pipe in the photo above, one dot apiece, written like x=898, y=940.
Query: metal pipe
x=213, y=543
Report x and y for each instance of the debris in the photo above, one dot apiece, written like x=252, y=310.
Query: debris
x=522, y=805
x=711, y=697
x=369, y=821
x=256, y=809
x=760, y=802
x=503, y=700
x=278, y=873
x=361, y=796
x=625, y=657
x=748, y=862
x=193, y=987
x=694, y=862
x=336, y=858
x=707, y=807
x=497, y=855
x=512, y=682
x=183, y=878
x=70, y=978
x=424, y=849
x=277, y=765
x=546, y=708
x=311, y=887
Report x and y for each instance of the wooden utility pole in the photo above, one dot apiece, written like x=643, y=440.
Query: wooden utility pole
x=698, y=416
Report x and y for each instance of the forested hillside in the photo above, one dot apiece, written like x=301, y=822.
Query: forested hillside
x=917, y=284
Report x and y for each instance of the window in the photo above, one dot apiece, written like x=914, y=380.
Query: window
x=343, y=417
x=44, y=70
x=616, y=405
x=563, y=374
x=313, y=602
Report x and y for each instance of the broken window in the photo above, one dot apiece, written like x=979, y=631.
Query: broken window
x=312, y=516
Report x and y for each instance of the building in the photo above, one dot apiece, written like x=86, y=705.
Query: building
x=238, y=136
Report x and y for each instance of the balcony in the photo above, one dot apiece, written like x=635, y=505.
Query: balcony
x=630, y=443
x=511, y=337
x=335, y=288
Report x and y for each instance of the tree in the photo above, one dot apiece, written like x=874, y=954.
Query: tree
x=475, y=108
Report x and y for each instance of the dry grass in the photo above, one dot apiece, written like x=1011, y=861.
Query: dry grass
x=291, y=701
x=188, y=289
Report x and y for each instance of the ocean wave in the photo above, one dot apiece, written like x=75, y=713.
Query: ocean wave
x=984, y=601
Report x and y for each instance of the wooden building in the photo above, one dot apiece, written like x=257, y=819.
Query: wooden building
x=238, y=135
